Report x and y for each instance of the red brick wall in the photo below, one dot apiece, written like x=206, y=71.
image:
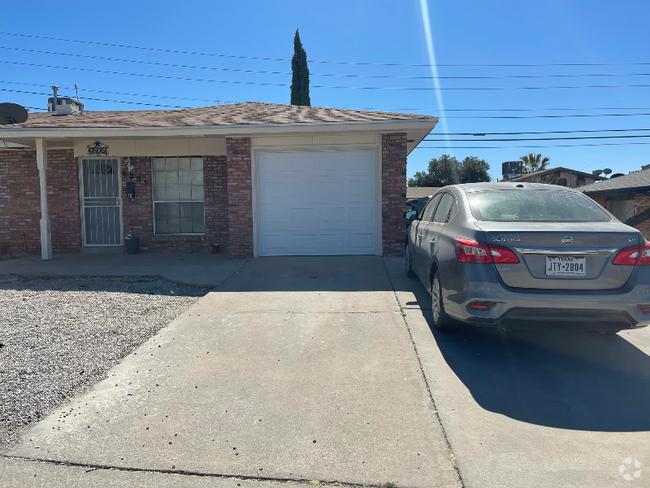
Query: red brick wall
x=641, y=203
x=63, y=201
x=393, y=157
x=20, y=208
x=20, y=202
x=240, y=197
x=215, y=181
x=138, y=212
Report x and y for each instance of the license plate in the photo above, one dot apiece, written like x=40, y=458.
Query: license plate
x=565, y=266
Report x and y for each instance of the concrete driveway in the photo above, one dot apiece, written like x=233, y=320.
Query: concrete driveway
x=326, y=370
x=552, y=409
x=294, y=369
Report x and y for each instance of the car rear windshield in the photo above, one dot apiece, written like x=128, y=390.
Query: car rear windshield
x=535, y=206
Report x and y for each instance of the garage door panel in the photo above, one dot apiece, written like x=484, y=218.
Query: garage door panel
x=303, y=217
x=362, y=241
x=317, y=203
x=361, y=216
x=304, y=242
x=333, y=216
x=275, y=216
x=333, y=242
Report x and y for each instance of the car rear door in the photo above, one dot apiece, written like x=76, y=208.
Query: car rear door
x=420, y=251
x=431, y=234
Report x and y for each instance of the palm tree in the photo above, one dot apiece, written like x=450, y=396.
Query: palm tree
x=534, y=162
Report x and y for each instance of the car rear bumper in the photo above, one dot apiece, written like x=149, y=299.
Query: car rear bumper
x=508, y=308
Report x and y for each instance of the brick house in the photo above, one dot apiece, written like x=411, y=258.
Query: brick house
x=560, y=176
x=626, y=197
x=259, y=179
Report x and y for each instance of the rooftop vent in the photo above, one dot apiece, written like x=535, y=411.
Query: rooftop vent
x=63, y=105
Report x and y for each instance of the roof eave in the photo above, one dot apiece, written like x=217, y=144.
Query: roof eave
x=239, y=129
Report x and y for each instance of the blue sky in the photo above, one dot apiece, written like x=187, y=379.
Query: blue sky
x=377, y=31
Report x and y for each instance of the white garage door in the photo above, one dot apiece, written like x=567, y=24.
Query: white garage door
x=317, y=203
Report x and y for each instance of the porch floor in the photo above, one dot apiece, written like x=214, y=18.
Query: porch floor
x=194, y=269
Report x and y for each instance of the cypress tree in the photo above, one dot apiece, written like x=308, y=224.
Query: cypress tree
x=300, y=78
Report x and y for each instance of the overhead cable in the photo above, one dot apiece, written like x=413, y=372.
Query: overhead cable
x=355, y=63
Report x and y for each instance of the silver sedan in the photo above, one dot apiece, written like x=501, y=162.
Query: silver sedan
x=518, y=255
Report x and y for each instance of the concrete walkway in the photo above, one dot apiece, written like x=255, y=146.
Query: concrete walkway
x=194, y=269
x=294, y=369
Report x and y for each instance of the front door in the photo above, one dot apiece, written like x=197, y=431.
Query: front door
x=101, y=202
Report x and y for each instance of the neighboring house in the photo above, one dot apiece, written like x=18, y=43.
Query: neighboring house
x=260, y=179
x=560, y=176
x=626, y=197
x=413, y=192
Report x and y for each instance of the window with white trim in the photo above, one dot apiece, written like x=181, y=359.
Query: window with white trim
x=178, y=195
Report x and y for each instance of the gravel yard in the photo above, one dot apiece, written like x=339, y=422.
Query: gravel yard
x=59, y=336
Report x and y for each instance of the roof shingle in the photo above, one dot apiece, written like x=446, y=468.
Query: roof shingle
x=247, y=113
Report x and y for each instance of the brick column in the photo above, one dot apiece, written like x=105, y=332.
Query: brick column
x=215, y=182
x=393, y=193
x=240, y=197
x=63, y=201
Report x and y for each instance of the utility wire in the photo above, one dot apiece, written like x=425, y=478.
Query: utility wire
x=481, y=134
x=354, y=63
x=123, y=93
x=536, y=147
x=96, y=99
x=287, y=73
x=376, y=88
x=542, y=139
x=478, y=117
x=567, y=109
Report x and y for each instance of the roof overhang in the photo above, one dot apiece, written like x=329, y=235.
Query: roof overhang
x=617, y=191
x=416, y=131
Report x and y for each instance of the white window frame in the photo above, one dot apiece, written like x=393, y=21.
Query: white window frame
x=154, y=201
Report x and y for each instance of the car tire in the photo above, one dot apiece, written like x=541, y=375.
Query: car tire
x=407, y=258
x=441, y=321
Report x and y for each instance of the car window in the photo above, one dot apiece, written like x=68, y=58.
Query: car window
x=535, y=206
x=444, y=208
x=428, y=211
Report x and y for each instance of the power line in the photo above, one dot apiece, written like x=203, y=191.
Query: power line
x=536, y=147
x=353, y=63
x=333, y=75
x=481, y=134
x=411, y=109
x=477, y=117
x=542, y=139
x=374, y=88
x=97, y=99
x=122, y=93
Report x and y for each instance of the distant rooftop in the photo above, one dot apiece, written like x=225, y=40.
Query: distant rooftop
x=413, y=192
x=636, y=180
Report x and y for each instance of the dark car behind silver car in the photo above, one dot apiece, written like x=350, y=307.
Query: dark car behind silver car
x=517, y=255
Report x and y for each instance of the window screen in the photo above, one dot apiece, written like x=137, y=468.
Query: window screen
x=178, y=195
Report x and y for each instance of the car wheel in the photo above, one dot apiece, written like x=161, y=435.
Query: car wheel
x=441, y=320
x=407, y=259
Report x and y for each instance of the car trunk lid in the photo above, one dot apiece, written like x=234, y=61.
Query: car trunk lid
x=562, y=256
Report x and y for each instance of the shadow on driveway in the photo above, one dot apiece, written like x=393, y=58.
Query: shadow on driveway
x=569, y=380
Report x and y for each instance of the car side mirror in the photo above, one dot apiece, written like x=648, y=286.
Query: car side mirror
x=411, y=215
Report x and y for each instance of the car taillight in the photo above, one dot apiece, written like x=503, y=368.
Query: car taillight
x=472, y=251
x=502, y=254
x=477, y=252
x=634, y=255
